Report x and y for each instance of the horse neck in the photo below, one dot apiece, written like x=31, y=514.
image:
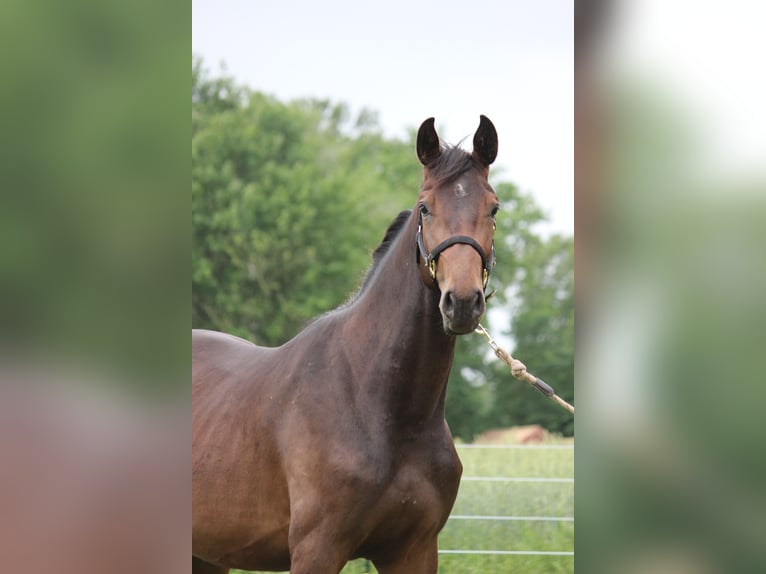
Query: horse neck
x=398, y=332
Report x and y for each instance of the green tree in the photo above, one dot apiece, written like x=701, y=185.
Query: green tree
x=286, y=206
x=542, y=326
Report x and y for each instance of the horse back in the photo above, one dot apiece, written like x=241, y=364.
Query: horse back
x=239, y=496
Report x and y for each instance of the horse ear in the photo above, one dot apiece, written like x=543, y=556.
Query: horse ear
x=428, y=145
x=485, y=142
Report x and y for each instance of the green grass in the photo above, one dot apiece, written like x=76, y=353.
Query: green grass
x=508, y=499
x=511, y=499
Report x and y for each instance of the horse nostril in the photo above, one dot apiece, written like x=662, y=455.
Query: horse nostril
x=478, y=303
x=448, y=305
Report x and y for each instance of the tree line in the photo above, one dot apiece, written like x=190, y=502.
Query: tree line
x=289, y=199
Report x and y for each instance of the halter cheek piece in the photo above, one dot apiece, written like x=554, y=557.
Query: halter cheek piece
x=430, y=259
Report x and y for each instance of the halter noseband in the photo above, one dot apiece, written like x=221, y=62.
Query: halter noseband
x=430, y=259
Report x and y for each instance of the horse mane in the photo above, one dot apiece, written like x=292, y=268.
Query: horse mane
x=392, y=233
x=452, y=163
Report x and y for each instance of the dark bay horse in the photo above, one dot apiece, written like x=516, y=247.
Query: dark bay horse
x=334, y=445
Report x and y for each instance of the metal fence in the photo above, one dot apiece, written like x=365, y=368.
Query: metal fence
x=548, y=516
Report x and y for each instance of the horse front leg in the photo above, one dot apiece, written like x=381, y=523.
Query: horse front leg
x=201, y=567
x=322, y=548
x=317, y=554
x=421, y=558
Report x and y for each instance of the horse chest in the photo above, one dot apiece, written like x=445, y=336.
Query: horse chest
x=418, y=498
x=423, y=488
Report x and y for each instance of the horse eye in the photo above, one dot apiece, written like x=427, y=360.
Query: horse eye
x=495, y=210
x=423, y=209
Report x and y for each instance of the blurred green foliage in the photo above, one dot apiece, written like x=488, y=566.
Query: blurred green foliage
x=289, y=199
x=92, y=236
x=671, y=357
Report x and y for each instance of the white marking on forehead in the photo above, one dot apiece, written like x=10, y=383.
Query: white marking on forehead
x=459, y=191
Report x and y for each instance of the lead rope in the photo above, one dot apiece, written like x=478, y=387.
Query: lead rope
x=519, y=371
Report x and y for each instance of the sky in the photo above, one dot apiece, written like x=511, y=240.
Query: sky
x=705, y=59
x=509, y=60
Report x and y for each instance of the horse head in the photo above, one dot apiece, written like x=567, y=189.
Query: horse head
x=456, y=223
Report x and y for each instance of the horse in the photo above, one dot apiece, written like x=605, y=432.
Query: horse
x=334, y=446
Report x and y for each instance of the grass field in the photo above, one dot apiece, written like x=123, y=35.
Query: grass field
x=516, y=499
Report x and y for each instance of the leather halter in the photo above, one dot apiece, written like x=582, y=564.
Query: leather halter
x=430, y=259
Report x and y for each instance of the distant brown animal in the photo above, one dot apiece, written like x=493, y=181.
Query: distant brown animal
x=334, y=446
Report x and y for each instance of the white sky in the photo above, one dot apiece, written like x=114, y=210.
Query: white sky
x=406, y=60
x=706, y=59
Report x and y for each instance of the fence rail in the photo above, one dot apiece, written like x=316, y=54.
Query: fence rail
x=511, y=552
x=566, y=522
x=518, y=518
x=517, y=446
x=515, y=479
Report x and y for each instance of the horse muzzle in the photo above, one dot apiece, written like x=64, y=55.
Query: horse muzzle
x=461, y=312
